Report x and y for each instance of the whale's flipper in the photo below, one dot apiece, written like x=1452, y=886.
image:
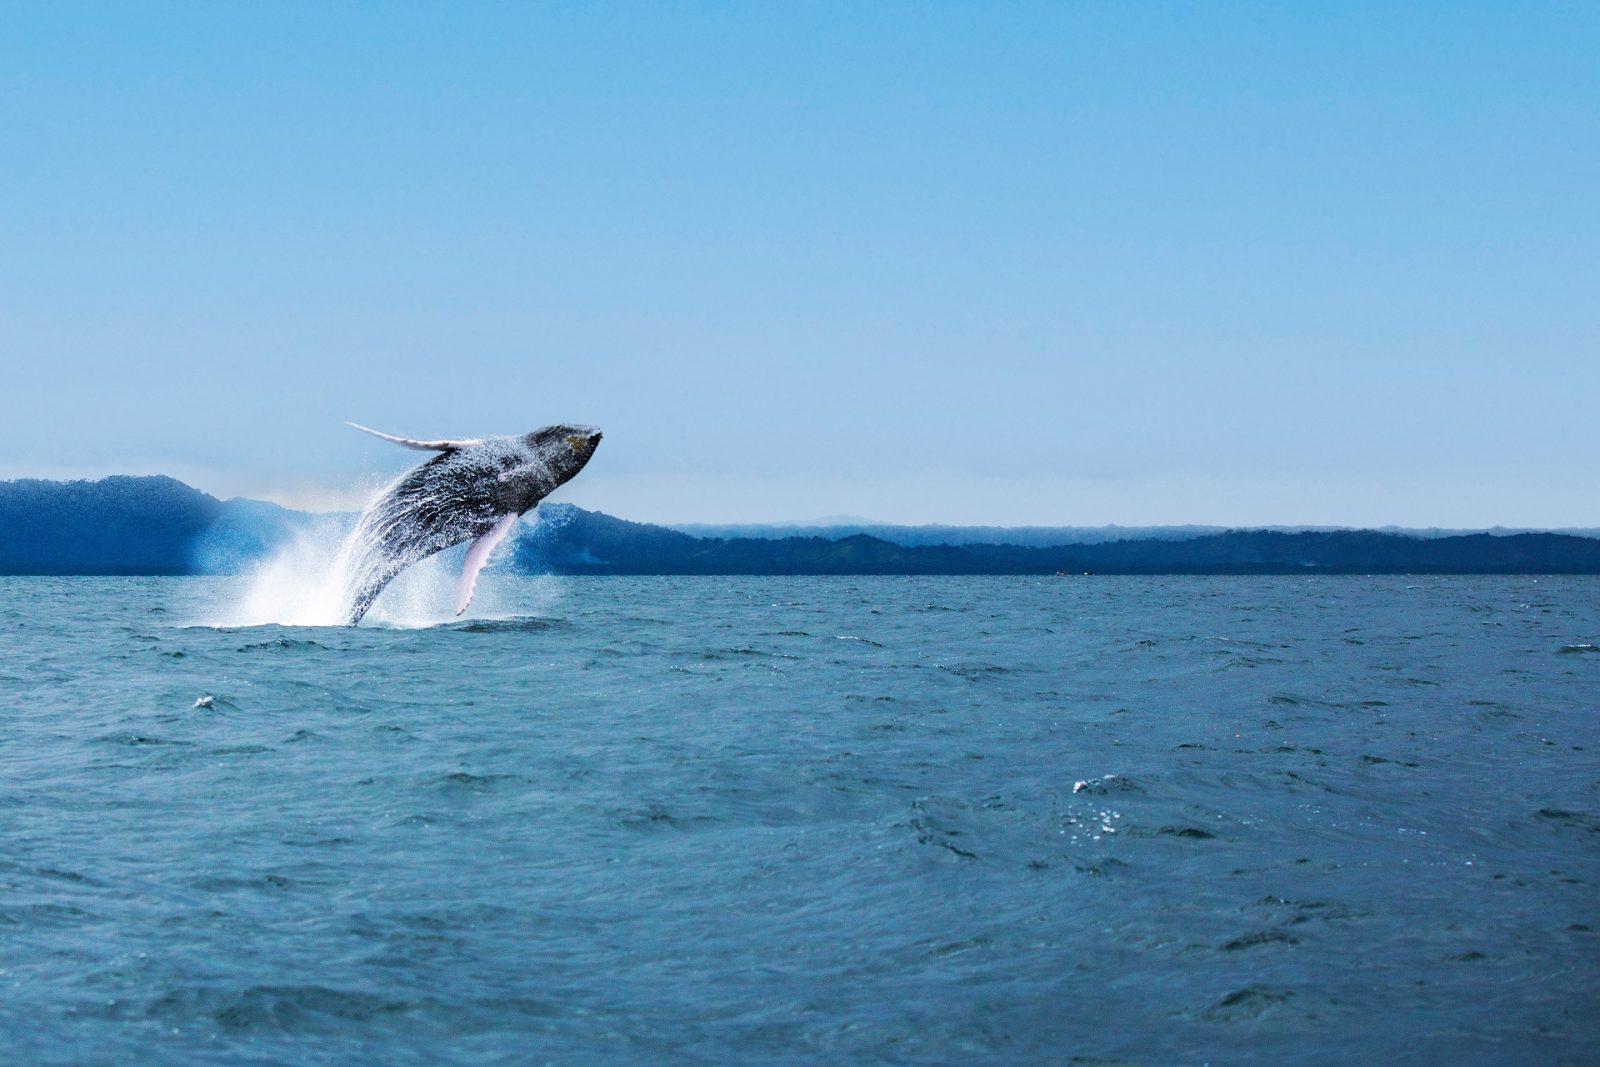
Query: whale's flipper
x=477, y=556
x=422, y=446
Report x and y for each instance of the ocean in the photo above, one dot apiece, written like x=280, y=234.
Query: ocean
x=806, y=821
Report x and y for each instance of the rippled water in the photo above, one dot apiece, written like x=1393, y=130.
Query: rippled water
x=809, y=820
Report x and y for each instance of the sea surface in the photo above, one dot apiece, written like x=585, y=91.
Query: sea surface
x=807, y=821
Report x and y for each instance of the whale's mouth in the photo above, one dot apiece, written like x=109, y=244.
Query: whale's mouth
x=584, y=444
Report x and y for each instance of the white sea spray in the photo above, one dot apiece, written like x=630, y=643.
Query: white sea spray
x=305, y=583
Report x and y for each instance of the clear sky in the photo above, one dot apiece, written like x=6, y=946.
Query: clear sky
x=1005, y=263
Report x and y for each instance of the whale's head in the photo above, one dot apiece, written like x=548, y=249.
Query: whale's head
x=554, y=455
x=565, y=448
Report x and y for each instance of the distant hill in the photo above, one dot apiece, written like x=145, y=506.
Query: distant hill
x=570, y=540
x=245, y=531
x=909, y=536
x=1035, y=536
x=117, y=525
x=156, y=525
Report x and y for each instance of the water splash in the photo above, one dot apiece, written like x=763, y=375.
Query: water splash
x=301, y=584
x=305, y=582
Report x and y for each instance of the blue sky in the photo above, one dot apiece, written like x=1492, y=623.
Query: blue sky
x=1017, y=263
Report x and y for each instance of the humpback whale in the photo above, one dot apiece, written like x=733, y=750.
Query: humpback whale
x=473, y=490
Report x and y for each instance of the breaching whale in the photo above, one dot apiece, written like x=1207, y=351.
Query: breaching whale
x=473, y=490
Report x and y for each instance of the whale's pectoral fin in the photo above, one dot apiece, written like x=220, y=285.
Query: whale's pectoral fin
x=442, y=445
x=477, y=556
